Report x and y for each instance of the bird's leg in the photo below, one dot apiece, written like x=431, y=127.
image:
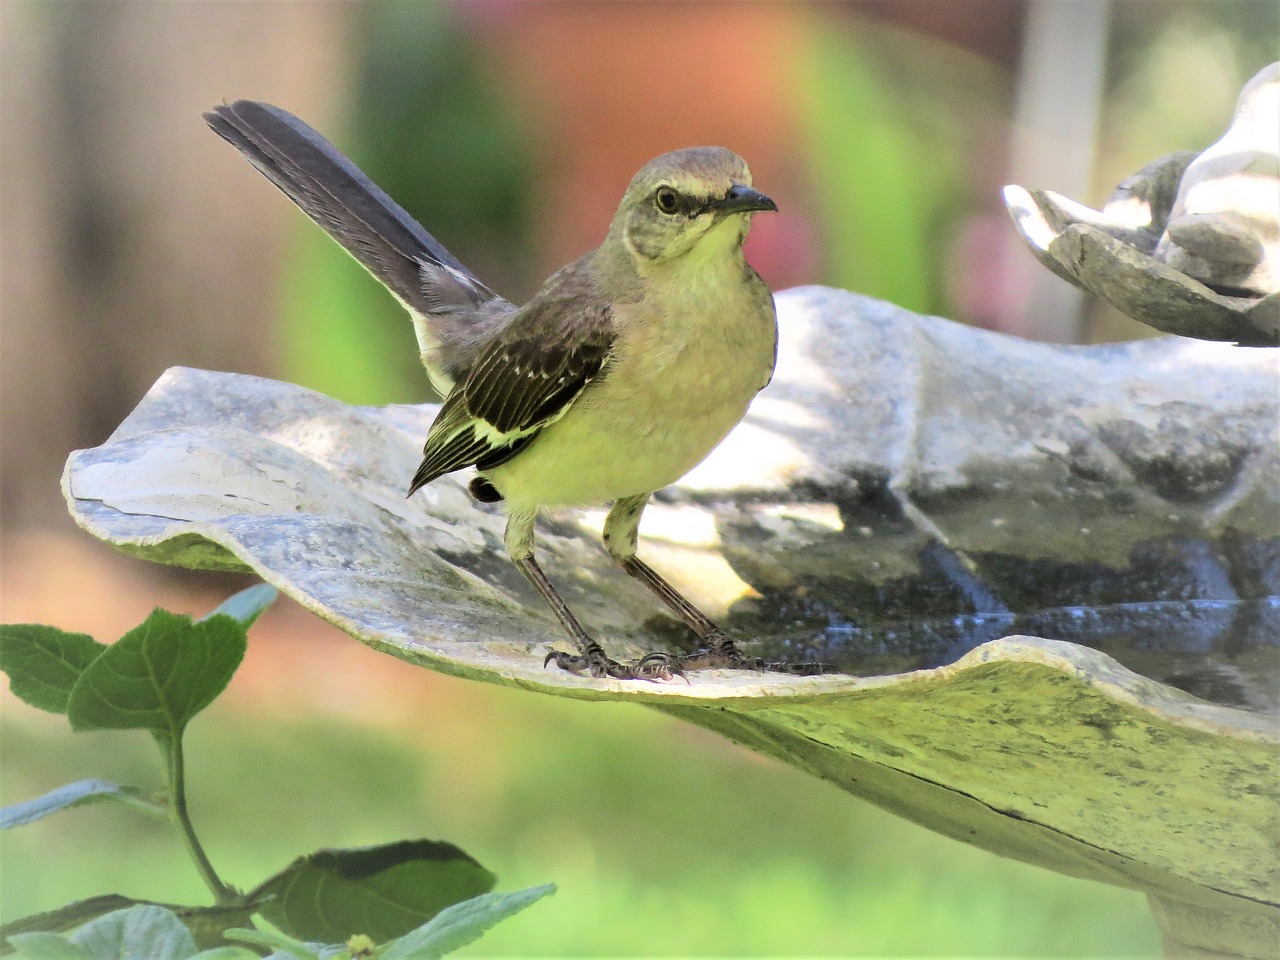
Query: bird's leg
x=591, y=656
x=621, y=531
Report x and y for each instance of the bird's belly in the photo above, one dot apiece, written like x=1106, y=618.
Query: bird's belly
x=629, y=436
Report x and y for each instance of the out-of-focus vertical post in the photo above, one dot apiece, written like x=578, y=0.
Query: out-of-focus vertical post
x=1054, y=137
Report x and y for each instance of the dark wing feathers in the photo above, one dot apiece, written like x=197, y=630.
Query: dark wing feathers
x=522, y=381
x=502, y=454
x=350, y=207
x=526, y=382
x=455, y=449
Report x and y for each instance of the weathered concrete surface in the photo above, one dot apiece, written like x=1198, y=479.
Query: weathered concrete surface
x=891, y=451
x=902, y=472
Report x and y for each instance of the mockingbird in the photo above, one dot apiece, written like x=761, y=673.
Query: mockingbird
x=613, y=381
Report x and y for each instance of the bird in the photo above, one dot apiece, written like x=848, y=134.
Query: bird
x=615, y=379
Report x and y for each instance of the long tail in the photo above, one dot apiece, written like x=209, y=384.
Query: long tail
x=449, y=304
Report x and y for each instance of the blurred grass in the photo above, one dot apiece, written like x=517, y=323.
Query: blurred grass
x=664, y=839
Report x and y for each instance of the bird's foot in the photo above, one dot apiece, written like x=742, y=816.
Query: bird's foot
x=653, y=666
x=722, y=653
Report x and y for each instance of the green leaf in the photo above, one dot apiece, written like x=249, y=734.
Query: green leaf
x=158, y=675
x=68, y=917
x=206, y=924
x=247, y=605
x=460, y=924
x=43, y=663
x=279, y=942
x=47, y=946
x=142, y=932
x=209, y=924
x=75, y=795
x=382, y=891
x=227, y=953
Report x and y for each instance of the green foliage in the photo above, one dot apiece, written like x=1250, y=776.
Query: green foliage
x=48, y=946
x=157, y=677
x=74, y=795
x=67, y=917
x=281, y=943
x=453, y=928
x=145, y=931
x=142, y=931
x=383, y=891
x=44, y=663
x=462, y=923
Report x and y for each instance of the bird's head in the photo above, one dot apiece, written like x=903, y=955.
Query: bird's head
x=699, y=198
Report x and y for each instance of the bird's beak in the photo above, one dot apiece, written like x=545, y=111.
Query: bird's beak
x=741, y=199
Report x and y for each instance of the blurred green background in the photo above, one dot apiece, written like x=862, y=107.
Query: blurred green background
x=663, y=839
x=133, y=240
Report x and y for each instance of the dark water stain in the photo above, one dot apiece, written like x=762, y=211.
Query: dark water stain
x=1200, y=615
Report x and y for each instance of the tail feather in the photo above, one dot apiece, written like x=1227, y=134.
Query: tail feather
x=372, y=227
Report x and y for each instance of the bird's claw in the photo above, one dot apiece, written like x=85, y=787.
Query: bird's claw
x=722, y=653
x=660, y=666
x=652, y=667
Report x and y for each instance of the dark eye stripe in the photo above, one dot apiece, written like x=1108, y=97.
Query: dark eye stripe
x=684, y=204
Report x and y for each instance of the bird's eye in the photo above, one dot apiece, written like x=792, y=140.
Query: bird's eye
x=668, y=200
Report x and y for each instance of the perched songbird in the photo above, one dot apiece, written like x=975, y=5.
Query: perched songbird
x=621, y=374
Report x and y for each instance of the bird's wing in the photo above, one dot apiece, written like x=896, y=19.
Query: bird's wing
x=521, y=382
x=449, y=304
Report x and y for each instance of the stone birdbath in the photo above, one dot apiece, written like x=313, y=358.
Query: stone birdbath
x=1051, y=574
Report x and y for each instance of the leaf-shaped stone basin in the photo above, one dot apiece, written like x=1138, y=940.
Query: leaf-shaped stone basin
x=902, y=458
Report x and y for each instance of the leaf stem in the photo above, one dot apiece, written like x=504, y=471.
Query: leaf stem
x=171, y=744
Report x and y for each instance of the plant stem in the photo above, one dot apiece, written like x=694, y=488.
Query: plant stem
x=172, y=747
